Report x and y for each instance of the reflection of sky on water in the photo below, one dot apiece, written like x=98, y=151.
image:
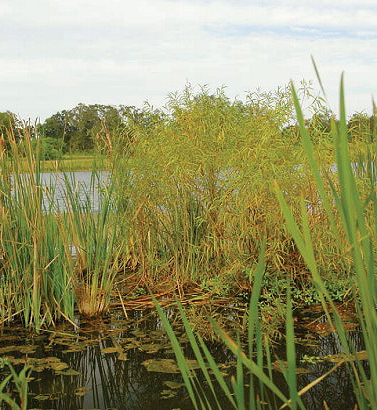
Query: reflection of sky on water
x=86, y=187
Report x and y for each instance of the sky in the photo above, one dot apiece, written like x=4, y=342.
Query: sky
x=55, y=54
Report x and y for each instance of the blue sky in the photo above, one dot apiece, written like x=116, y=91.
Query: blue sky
x=55, y=54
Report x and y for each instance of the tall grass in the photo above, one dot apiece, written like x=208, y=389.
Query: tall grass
x=35, y=281
x=355, y=224
x=21, y=384
x=356, y=216
x=41, y=279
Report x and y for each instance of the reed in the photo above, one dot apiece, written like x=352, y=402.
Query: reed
x=21, y=384
x=357, y=217
x=41, y=280
x=97, y=245
x=35, y=279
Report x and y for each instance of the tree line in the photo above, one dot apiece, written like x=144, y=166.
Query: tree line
x=80, y=129
x=86, y=128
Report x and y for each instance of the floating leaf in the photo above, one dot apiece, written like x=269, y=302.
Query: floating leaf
x=151, y=348
x=110, y=350
x=41, y=397
x=173, y=385
x=59, y=366
x=161, y=365
x=68, y=372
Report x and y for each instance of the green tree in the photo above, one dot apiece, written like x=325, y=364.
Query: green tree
x=360, y=127
x=60, y=127
x=9, y=124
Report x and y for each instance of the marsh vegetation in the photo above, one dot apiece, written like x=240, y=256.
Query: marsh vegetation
x=211, y=201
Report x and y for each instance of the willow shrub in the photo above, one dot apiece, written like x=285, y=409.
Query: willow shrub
x=196, y=189
x=358, y=216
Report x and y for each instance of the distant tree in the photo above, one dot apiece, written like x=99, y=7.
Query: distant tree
x=49, y=148
x=60, y=127
x=9, y=124
x=86, y=127
x=360, y=127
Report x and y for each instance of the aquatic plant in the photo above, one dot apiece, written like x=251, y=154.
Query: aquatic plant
x=21, y=384
x=40, y=279
x=35, y=280
x=357, y=217
x=197, y=192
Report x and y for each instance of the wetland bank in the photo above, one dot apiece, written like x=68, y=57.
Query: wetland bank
x=212, y=202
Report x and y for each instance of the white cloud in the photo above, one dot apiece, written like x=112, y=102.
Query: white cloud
x=56, y=53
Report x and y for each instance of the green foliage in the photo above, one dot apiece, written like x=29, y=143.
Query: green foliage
x=361, y=127
x=355, y=222
x=40, y=280
x=86, y=127
x=20, y=381
x=9, y=124
x=49, y=148
x=196, y=189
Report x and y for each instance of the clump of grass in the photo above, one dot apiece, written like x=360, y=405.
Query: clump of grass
x=40, y=279
x=95, y=238
x=35, y=281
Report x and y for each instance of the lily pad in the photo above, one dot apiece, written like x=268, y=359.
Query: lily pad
x=173, y=385
x=161, y=365
x=110, y=350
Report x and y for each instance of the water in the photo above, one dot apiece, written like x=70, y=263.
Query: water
x=104, y=365
x=87, y=187
x=80, y=369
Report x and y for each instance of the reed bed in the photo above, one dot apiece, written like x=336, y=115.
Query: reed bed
x=41, y=279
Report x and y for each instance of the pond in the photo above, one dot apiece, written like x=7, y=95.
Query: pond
x=86, y=186
x=119, y=363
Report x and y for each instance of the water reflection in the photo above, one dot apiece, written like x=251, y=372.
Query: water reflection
x=86, y=186
x=101, y=366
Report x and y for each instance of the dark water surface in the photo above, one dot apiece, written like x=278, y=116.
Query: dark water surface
x=114, y=364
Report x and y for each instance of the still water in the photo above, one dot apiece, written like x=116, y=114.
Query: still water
x=86, y=186
x=119, y=363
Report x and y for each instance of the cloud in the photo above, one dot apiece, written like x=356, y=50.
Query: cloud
x=54, y=54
